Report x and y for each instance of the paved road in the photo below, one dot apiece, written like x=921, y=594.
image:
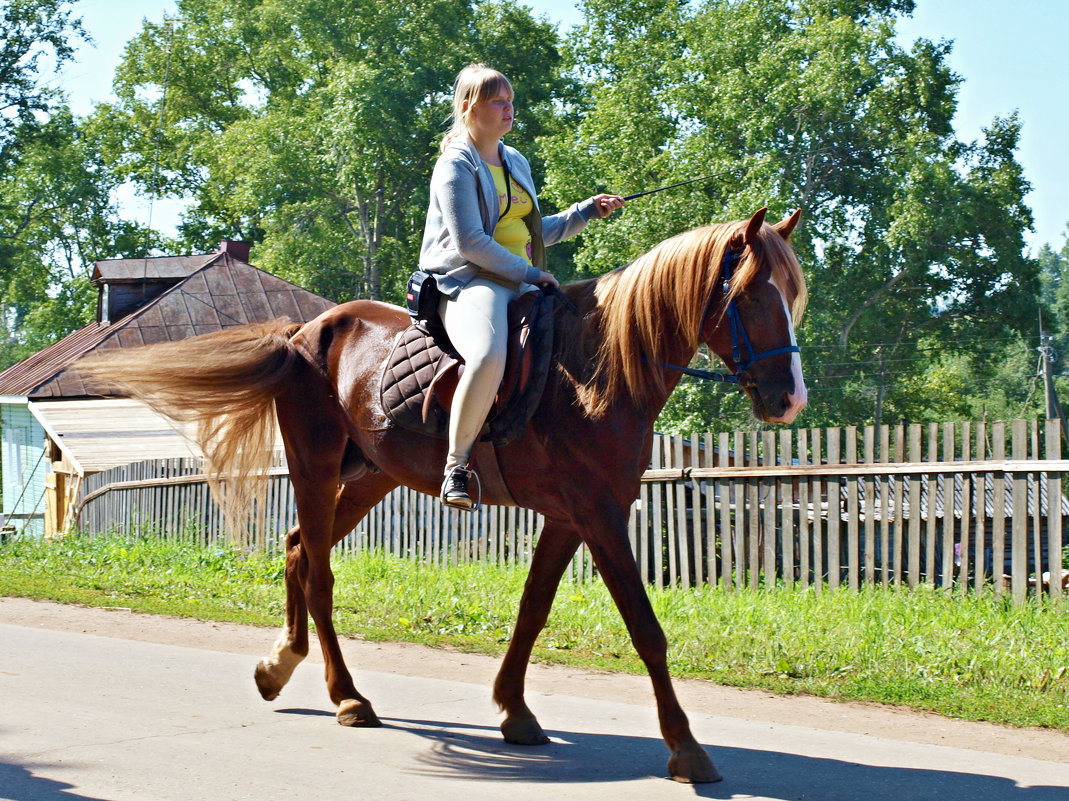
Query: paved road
x=84, y=716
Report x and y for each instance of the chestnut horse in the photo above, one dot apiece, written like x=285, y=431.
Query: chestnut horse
x=579, y=463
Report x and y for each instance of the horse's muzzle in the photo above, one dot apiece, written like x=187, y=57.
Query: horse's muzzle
x=781, y=397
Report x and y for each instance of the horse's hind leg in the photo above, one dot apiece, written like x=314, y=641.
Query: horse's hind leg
x=353, y=502
x=291, y=647
x=556, y=546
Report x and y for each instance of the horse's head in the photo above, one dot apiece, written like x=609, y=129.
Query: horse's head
x=750, y=320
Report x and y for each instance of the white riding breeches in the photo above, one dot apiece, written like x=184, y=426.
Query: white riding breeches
x=477, y=324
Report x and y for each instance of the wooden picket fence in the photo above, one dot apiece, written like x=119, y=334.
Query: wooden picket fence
x=966, y=505
x=170, y=498
x=971, y=506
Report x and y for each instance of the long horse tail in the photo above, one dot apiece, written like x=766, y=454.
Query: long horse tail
x=224, y=385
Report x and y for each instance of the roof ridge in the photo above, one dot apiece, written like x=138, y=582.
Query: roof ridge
x=279, y=278
x=43, y=371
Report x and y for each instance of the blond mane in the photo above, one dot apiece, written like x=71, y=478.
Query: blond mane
x=669, y=288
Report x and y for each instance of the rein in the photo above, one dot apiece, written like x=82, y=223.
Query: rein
x=739, y=337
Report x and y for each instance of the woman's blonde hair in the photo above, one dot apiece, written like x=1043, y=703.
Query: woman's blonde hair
x=475, y=84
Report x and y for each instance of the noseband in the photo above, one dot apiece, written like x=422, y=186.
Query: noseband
x=739, y=338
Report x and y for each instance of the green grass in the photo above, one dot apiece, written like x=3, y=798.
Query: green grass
x=978, y=658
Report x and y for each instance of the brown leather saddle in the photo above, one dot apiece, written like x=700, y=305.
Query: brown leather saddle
x=422, y=372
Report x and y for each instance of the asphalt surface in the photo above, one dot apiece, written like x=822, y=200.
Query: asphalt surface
x=85, y=716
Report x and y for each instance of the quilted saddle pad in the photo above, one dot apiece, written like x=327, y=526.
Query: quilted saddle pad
x=420, y=375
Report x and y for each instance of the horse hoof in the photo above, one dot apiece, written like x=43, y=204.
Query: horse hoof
x=523, y=731
x=267, y=685
x=693, y=767
x=357, y=713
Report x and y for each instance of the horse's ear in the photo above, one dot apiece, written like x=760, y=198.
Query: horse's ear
x=785, y=227
x=753, y=227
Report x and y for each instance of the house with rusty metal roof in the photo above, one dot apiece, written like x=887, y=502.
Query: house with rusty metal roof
x=55, y=429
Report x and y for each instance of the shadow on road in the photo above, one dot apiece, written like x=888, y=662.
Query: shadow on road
x=316, y=713
x=18, y=783
x=479, y=753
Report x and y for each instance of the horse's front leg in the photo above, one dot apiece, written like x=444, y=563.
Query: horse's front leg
x=556, y=546
x=606, y=538
x=353, y=503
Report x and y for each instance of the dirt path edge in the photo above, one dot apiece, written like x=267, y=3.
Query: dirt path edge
x=697, y=697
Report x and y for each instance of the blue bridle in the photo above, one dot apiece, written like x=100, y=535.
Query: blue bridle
x=739, y=338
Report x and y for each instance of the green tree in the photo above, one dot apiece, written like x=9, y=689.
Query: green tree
x=310, y=126
x=56, y=211
x=59, y=199
x=910, y=236
x=33, y=33
x=1054, y=282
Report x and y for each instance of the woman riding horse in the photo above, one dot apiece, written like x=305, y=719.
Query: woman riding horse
x=736, y=286
x=485, y=239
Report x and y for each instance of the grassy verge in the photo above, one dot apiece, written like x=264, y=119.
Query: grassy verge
x=978, y=658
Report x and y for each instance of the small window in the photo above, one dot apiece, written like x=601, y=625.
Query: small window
x=14, y=444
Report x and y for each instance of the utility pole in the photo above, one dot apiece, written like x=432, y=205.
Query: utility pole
x=1046, y=361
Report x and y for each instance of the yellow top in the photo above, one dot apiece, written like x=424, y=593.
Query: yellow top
x=511, y=231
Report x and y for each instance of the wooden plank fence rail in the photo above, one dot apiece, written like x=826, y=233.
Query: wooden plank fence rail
x=968, y=506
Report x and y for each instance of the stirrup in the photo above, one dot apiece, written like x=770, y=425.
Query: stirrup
x=455, y=491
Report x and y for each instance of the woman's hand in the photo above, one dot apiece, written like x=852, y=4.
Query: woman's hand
x=607, y=204
x=547, y=279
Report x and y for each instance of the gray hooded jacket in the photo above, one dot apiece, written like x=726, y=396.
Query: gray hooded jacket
x=458, y=241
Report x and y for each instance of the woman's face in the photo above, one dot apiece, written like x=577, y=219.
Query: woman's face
x=492, y=118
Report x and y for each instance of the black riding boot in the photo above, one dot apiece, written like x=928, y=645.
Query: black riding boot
x=455, y=489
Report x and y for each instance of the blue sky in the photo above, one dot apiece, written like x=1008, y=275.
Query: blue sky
x=1012, y=56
